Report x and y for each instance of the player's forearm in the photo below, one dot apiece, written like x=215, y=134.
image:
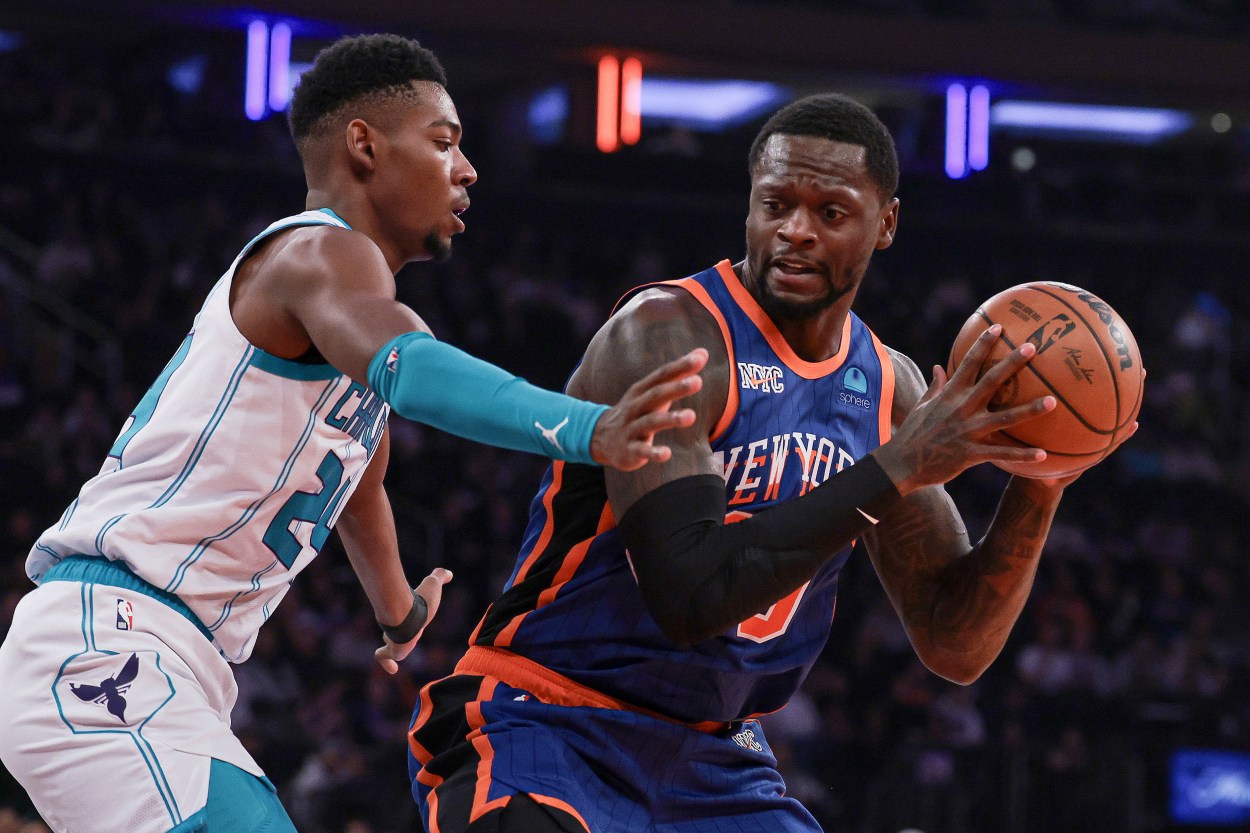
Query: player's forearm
x=439, y=385
x=978, y=598
x=699, y=576
x=367, y=530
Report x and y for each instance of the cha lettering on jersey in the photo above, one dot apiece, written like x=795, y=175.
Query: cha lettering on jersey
x=360, y=413
x=755, y=472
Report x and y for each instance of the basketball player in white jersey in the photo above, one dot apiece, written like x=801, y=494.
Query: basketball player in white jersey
x=266, y=430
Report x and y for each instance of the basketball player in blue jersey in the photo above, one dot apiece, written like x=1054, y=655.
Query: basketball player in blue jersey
x=266, y=430
x=652, y=615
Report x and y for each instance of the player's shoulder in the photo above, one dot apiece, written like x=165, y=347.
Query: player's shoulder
x=909, y=381
x=655, y=325
x=660, y=322
x=324, y=251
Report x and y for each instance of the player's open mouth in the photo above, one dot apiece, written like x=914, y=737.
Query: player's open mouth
x=793, y=267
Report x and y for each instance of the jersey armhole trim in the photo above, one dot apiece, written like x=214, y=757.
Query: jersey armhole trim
x=732, y=399
x=885, y=412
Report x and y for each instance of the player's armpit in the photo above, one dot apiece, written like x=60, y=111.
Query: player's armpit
x=699, y=576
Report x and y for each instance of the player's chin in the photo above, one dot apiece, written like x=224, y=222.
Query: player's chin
x=437, y=247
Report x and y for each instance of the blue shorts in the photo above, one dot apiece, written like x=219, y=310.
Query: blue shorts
x=476, y=742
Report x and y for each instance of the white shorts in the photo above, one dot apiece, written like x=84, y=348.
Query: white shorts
x=114, y=705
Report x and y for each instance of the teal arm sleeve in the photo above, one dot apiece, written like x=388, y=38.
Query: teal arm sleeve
x=435, y=383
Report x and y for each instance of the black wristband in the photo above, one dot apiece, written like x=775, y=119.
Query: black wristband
x=407, y=630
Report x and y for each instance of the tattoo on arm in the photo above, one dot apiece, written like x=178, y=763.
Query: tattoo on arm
x=959, y=600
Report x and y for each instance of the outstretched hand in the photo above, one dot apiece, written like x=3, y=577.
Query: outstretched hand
x=952, y=427
x=624, y=437
x=431, y=589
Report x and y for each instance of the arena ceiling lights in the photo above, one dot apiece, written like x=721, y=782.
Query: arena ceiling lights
x=970, y=117
x=626, y=97
x=1090, y=121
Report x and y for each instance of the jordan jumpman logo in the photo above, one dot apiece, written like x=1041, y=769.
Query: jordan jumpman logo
x=549, y=434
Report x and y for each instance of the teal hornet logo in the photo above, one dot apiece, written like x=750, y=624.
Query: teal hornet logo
x=854, y=379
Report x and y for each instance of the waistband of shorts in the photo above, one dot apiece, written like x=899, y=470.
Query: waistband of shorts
x=90, y=569
x=557, y=689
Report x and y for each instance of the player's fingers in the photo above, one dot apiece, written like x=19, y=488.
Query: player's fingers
x=1019, y=413
x=995, y=453
x=676, y=370
x=686, y=365
x=431, y=589
x=649, y=424
x=1000, y=371
x=389, y=665
x=936, y=385
x=970, y=367
x=641, y=398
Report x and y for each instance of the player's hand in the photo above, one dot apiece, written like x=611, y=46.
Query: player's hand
x=1061, y=483
x=952, y=427
x=624, y=437
x=431, y=589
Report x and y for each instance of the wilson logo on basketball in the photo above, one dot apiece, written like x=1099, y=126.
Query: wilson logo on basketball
x=766, y=378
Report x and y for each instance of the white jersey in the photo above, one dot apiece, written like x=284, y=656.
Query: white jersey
x=226, y=480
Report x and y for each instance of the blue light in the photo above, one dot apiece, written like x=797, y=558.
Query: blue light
x=1142, y=124
x=1210, y=786
x=956, y=131
x=9, y=41
x=257, y=46
x=279, y=66
x=187, y=75
x=547, y=114
x=708, y=104
x=979, y=128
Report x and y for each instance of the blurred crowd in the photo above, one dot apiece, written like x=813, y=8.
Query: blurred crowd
x=1134, y=641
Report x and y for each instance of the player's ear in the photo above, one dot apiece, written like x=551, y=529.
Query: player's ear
x=888, y=223
x=361, y=138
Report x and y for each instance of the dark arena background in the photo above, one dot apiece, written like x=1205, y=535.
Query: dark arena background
x=1097, y=142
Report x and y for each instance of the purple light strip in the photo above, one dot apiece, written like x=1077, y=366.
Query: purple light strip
x=956, y=131
x=979, y=128
x=279, y=66
x=254, y=95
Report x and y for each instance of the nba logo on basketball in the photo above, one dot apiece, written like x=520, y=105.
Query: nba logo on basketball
x=125, y=615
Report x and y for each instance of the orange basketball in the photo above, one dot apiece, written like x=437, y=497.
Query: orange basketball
x=1086, y=358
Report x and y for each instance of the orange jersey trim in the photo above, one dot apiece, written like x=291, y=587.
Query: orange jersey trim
x=733, y=399
x=806, y=369
x=560, y=805
x=885, y=410
x=554, y=688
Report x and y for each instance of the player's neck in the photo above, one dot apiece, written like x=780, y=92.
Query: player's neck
x=819, y=337
x=360, y=218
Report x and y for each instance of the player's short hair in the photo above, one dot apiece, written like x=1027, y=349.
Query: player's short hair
x=838, y=118
x=355, y=69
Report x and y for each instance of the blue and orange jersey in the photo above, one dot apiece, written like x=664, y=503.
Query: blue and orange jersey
x=572, y=605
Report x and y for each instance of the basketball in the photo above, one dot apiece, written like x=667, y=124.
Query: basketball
x=1086, y=358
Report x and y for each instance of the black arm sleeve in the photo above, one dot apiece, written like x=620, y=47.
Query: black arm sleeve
x=699, y=575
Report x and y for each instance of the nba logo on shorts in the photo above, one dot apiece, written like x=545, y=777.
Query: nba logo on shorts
x=392, y=360
x=125, y=615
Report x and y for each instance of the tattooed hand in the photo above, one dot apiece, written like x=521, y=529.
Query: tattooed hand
x=952, y=426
